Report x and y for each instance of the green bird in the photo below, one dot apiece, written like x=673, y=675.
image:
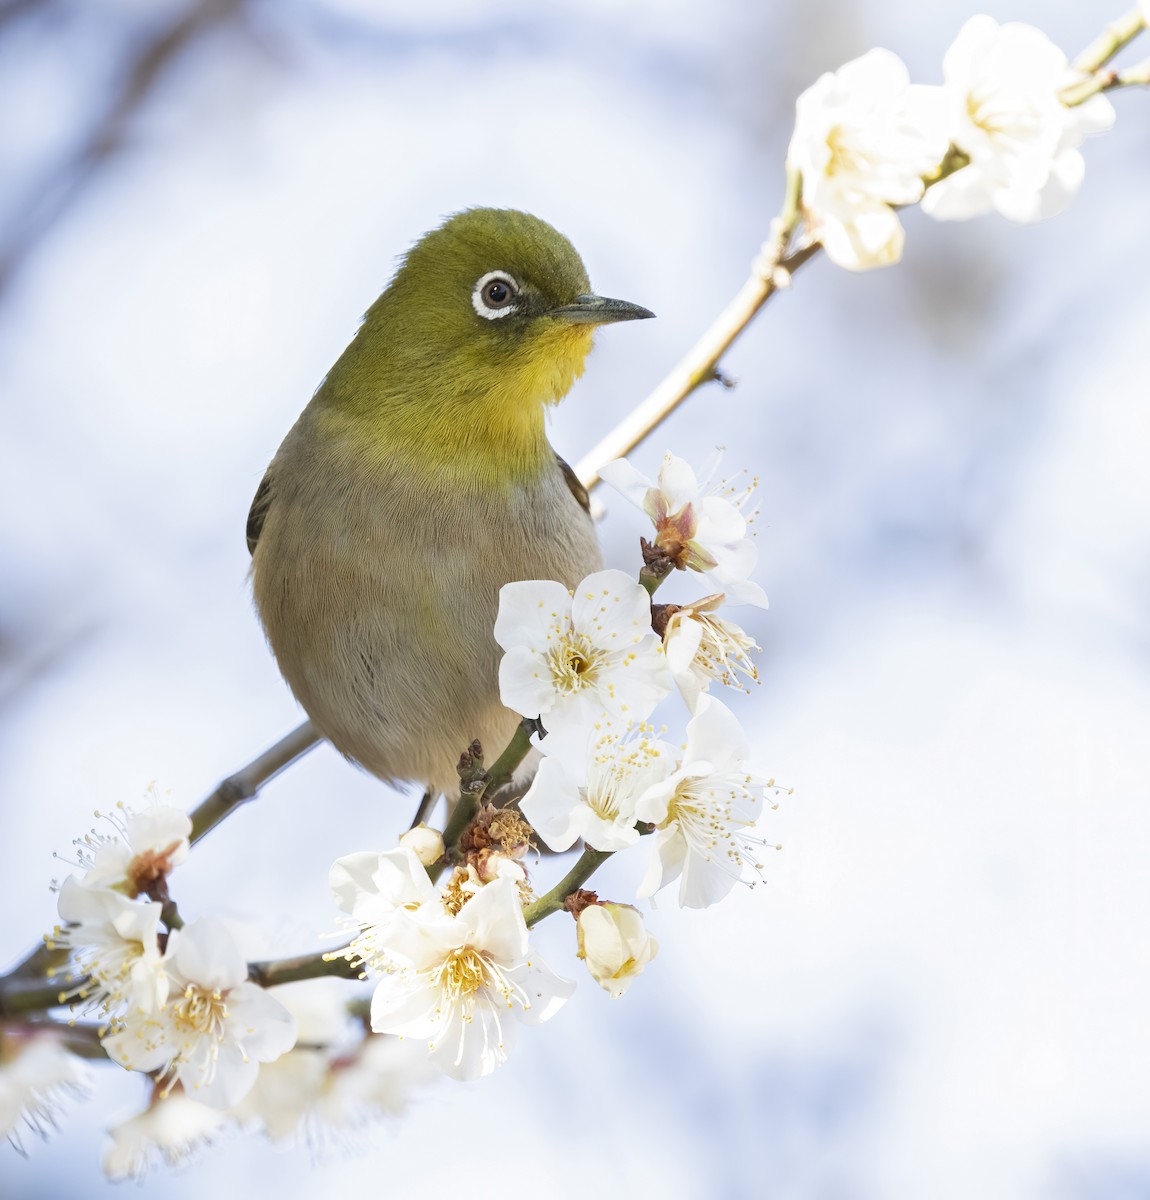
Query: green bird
x=417, y=482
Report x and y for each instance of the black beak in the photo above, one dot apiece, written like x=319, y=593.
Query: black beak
x=600, y=310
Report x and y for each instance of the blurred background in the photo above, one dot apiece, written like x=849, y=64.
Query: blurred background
x=942, y=988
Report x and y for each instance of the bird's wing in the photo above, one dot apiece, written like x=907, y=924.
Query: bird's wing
x=574, y=485
x=259, y=510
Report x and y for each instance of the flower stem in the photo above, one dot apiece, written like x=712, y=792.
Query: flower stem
x=589, y=862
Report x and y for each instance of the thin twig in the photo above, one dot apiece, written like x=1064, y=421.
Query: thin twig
x=1107, y=44
x=699, y=364
x=16, y=999
x=303, y=966
x=1106, y=81
x=589, y=862
x=246, y=782
x=470, y=798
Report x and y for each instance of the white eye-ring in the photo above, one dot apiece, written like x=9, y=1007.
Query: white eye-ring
x=494, y=295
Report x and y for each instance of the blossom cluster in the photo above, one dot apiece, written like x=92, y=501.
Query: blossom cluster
x=452, y=965
x=176, y=1002
x=995, y=135
x=589, y=665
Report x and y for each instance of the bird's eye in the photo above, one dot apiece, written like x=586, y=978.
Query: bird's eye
x=494, y=295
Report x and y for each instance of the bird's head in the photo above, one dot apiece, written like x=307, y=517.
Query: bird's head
x=488, y=317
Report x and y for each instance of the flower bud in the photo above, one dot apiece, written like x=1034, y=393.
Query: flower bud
x=425, y=843
x=615, y=945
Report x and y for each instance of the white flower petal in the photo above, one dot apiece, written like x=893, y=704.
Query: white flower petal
x=529, y=611
x=677, y=482
x=259, y=1023
x=627, y=480
x=206, y=952
x=525, y=684
x=546, y=992
x=549, y=803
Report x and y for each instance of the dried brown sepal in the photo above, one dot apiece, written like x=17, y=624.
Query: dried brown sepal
x=580, y=899
x=660, y=557
x=148, y=873
x=661, y=614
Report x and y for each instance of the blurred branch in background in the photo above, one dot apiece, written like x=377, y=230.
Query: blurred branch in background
x=147, y=65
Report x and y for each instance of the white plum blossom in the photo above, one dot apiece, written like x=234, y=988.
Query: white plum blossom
x=703, y=812
x=461, y=982
x=1003, y=111
x=571, y=656
x=864, y=137
x=327, y=1096
x=695, y=528
x=373, y=888
x=426, y=843
x=216, y=1027
x=171, y=1129
x=615, y=945
x=144, y=848
x=588, y=783
x=701, y=646
x=37, y=1076
x=284, y=1093
x=377, y=1081
x=115, y=949
x=286, y=1090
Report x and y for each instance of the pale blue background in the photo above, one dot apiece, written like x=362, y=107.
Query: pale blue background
x=942, y=990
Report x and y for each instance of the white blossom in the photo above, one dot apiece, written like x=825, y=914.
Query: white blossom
x=114, y=945
x=701, y=646
x=696, y=528
x=171, y=1129
x=571, y=656
x=426, y=843
x=461, y=982
x=286, y=1090
x=327, y=1096
x=216, y=1026
x=615, y=945
x=588, y=783
x=864, y=138
x=1003, y=111
x=703, y=812
x=37, y=1076
x=142, y=849
x=372, y=888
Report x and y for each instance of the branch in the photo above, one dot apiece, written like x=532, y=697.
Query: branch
x=1107, y=44
x=237, y=789
x=16, y=999
x=472, y=793
x=303, y=966
x=589, y=862
x=1106, y=81
x=770, y=272
x=82, y=1038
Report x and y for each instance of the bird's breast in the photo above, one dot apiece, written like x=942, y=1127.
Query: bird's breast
x=379, y=591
